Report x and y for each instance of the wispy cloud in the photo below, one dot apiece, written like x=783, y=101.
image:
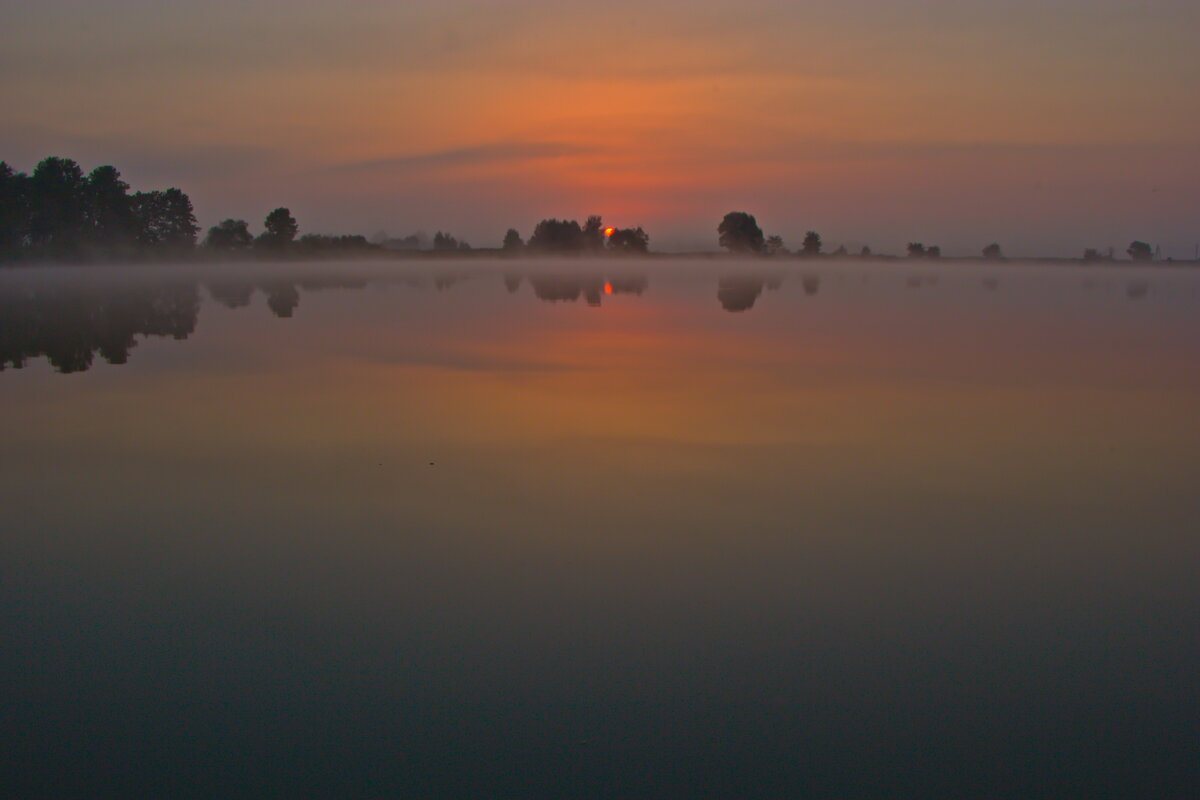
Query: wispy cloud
x=497, y=152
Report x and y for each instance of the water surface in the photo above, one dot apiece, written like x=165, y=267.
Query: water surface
x=600, y=529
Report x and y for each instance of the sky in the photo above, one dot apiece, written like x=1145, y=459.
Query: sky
x=1047, y=126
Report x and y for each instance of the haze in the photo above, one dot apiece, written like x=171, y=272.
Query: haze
x=1047, y=126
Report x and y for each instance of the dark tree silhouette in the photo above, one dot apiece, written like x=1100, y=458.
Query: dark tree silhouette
x=230, y=235
x=59, y=213
x=165, y=219
x=739, y=233
x=841, y=252
x=773, y=246
x=14, y=211
x=110, y=209
x=280, y=230
x=1140, y=251
x=866, y=252
x=812, y=245
x=444, y=241
x=992, y=252
x=513, y=243
x=58, y=219
x=315, y=244
x=933, y=252
x=1091, y=254
x=916, y=250
x=593, y=234
x=629, y=241
x=556, y=236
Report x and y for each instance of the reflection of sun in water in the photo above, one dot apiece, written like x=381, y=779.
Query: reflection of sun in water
x=608, y=286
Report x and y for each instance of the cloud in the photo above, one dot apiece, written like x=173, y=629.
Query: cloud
x=498, y=152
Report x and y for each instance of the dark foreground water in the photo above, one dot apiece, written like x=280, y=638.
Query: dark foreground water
x=683, y=530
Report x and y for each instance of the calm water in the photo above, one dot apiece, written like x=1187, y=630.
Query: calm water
x=677, y=530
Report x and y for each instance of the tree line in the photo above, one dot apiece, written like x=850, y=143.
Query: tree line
x=568, y=237
x=58, y=212
x=740, y=234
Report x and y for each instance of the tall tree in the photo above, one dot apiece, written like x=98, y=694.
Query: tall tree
x=165, y=220
x=812, y=244
x=57, y=220
x=593, y=234
x=110, y=209
x=739, y=233
x=280, y=229
x=512, y=242
x=14, y=211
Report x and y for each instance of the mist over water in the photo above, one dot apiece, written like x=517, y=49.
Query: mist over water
x=603, y=528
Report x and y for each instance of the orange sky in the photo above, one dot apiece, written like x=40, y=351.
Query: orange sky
x=1049, y=126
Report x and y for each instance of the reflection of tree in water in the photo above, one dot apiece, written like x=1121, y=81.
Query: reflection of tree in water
x=628, y=284
x=568, y=288
x=69, y=324
x=740, y=292
x=283, y=296
x=1135, y=290
x=555, y=288
x=512, y=283
x=812, y=284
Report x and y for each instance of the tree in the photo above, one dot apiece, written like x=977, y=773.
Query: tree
x=556, y=236
x=513, y=243
x=841, y=252
x=774, y=246
x=992, y=252
x=14, y=211
x=593, y=234
x=444, y=241
x=165, y=219
x=109, y=209
x=629, y=241
x=866, y=252
x=739, y=233
x=1140, y=251
x=281, y=230
x=230, y=235
x=57, y=219
x=812, y=245
x=916, y=250
x=933, y=252
x=1091, y=254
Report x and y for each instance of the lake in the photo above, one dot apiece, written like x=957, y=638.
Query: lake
x=600, y=529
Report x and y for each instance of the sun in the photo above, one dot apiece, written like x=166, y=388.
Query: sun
x=609, y=231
